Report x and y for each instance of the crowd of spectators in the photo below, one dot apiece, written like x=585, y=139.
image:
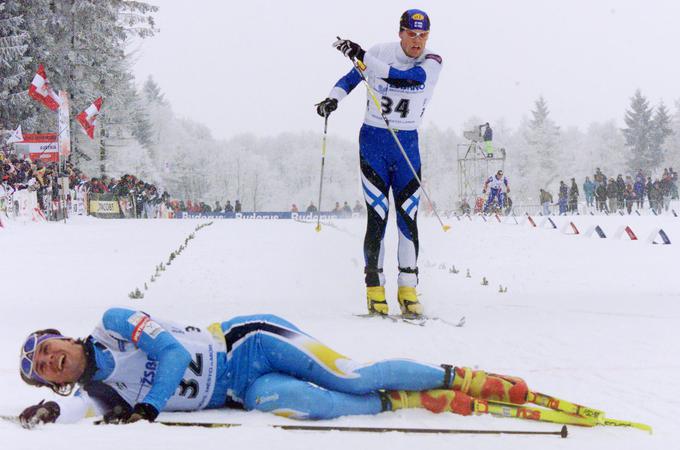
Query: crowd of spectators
x=17, y=173
x=610, y=195
x=203, y=207
x=341, y=211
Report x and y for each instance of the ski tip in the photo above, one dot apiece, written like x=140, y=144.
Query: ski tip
x=564, y=432
x=446, y=228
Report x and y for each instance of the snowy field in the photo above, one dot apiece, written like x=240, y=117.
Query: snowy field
x=590, y=320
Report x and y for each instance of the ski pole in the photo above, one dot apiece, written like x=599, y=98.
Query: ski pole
x=358, y=67
x=323, y=161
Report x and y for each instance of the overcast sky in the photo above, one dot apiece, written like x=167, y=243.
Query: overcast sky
x=260, y=65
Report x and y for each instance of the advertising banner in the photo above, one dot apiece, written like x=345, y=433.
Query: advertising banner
x=105, y=206
x=39, y=147
x=273, y=215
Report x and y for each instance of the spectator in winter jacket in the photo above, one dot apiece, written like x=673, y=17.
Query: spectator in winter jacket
x=346, y=210
x=620, y=188
x=629, y=197
x=238, y=206
x=600, y=178
x=228, y=207
x=612, y=195
x=674, y=183
x=639, y=188
x=546, y=200
x=562, y=197
x=573, y=197
x=311, y=208
x=589, y=191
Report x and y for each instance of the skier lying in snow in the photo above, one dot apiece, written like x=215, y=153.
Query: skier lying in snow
x=133, y=366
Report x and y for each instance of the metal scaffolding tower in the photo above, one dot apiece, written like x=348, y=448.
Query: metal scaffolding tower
x=474, y=166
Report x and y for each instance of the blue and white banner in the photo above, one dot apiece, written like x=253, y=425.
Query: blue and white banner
x=265, y=215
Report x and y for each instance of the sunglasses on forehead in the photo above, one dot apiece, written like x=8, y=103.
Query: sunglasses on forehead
x=414, y=34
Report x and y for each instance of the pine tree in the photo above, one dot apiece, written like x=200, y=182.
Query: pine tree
x=661, y=130
x=673, y=141
x=153, y=92
x=82, y=44
x=14, y=101
x=539, y=160
x=638, y=134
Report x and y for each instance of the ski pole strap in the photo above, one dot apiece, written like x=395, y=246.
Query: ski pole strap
x=448, y=376
x=385, y=401
x=408, y=270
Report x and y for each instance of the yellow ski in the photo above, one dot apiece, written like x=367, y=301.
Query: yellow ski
x=596, y=415
x=548, y=401
x=502, y=409
x=626, y=423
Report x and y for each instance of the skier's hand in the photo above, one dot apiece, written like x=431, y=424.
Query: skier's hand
x=40, y=413
x=350, y=49
x=325, y=107
x=142, y=411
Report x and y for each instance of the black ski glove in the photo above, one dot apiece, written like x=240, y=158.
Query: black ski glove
x=350, y=49
x=142, y=411
x=40, y=413
x=326, y=107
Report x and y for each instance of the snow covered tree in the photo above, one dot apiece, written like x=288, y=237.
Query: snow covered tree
x=673, y=141
x=153, y=92
x=604, y=148
x=15, y=106
x=537, y=150
x=661, y=130
x=82, y=44
x=639, y=134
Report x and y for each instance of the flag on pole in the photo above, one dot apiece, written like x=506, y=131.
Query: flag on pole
x=41, y=90
x=15, y=136
x=88, y=118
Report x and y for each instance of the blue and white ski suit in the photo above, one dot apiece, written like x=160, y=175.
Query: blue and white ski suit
x=495, y=186
x=405, y=86
x=258, y=362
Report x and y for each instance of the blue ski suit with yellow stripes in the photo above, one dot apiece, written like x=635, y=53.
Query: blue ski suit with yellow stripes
x=260, y=362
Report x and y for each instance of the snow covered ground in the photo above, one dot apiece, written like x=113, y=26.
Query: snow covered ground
x=590, y=320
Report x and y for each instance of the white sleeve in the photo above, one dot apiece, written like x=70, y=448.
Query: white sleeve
x=77, y=407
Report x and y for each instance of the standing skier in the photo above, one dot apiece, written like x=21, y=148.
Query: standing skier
x=496, y=184
x=404, y=74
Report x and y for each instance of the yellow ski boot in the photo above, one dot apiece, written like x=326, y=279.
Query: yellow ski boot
x=375, y=299
x=408, y=301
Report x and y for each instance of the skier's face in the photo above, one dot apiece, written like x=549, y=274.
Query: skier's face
x=59, y=361
x=413, y=42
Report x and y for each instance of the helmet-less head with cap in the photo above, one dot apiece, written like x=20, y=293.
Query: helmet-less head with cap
x=414, y=29
x=48, y=358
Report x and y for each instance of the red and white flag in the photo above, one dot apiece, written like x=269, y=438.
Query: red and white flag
x=88, y=118
x=41, y=90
